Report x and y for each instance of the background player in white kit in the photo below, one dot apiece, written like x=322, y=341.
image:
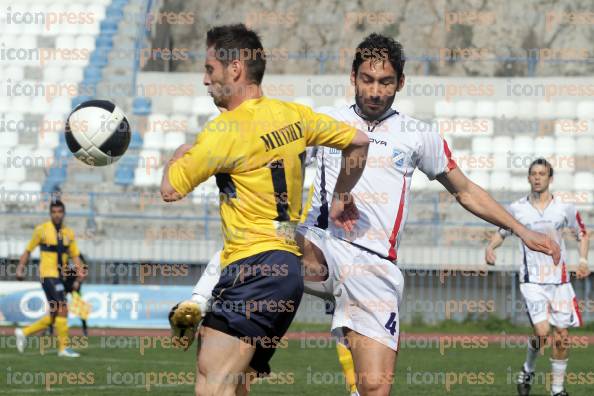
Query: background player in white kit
x=550, y=299
x=358, y=267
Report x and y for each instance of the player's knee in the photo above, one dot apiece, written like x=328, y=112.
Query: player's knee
x=561, y=337
x=374, y=388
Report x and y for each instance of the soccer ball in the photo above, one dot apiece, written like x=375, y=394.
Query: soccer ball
x=97, y=132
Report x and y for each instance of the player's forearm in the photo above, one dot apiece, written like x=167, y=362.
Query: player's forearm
x=354, y=158
x=168, y=193
x=81, y=271
x=496, y=241
x=584, y=246
x=481, y=204
x=24, y=259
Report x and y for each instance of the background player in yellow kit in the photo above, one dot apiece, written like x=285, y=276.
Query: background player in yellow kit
x=56, y=243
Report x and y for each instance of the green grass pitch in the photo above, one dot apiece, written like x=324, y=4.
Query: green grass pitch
x=302, y=368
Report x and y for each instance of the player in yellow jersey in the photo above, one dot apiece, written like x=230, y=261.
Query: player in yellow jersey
x=256, y=151
x=56, y=243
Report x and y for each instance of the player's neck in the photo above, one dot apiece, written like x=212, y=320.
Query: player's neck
x=251, y=91
x=541, y=198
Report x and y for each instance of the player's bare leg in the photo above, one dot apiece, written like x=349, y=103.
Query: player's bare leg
x=374, y=364
x=312, y=259
x=559, y=359
x=221, y=364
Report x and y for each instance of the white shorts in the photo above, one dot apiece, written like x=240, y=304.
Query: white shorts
x=556, y=304
x=367, y=288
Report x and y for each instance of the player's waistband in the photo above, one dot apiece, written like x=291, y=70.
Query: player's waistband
x=370, y=251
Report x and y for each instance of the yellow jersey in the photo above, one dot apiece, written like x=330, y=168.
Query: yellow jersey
x=257, y=154
x=45, y=236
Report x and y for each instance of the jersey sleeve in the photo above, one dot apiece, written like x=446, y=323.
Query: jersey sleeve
x=323, y=130
x=35, y=240
x=210, y=154
x=574, y=222
x=73, y=247
x=434, y=155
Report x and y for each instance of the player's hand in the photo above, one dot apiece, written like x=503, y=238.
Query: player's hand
x=20, y=273
x=583, y=271
x=184, y=318
x=490, y=256
x=344, y=212
x=541, y=243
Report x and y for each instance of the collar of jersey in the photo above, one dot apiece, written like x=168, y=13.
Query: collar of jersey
x=389, y=113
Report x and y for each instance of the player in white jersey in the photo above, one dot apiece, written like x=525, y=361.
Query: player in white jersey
x=358, y=267
x=550, y=299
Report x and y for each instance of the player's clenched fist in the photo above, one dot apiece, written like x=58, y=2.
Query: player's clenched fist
x=344, y=212
x=183, y=319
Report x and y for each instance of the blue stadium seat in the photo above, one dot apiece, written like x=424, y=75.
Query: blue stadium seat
x=75, y=102
x=98, y=58
x=136, y=141
x=114, y=12
x=109, y=27
x=124, y=176
x=92, y=75
x=141, y=106
x=103, y=41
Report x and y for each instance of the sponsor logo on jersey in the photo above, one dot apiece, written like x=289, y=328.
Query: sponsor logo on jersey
x=377, y=141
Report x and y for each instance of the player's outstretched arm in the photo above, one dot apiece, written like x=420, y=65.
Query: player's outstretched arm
x=477, y=201
x=168, y=193
x=583, y=269
x=20, y=271
x=494, y=243
x=343, y=211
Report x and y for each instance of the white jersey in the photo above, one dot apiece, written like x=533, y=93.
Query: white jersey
x=398, y=145
x=538, y=267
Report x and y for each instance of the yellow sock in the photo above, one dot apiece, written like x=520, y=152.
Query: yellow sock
x=348, y=367
x=41, y=324
x=61, y=326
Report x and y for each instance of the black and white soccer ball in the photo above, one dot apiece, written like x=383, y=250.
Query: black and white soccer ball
x=97, y=132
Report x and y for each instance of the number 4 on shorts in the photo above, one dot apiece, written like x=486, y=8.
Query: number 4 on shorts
x=391, y=323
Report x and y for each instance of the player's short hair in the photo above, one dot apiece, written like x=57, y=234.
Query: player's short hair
x=541, y=161
x=380, y=47
x=237, y=42
x=56, y=203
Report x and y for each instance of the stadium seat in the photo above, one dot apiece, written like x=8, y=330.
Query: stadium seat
x=154, y=140
x=566, y=109
x=519, y=184
x=85, y=41
x=53, y=74
x=481, y=178
x=563, y=180
x=444, y=109
x=157, y=122
x=178, y=123
x=141, y=106
x=65, y=41
x=21, y=104
x=405, y=106
x=523, y=145
x=16, y=174
x=144, y=177
x=124, y=176
x=482, y=145
x=584, y=145
x=305, y=100
x=544, y=146
x=506, y=109
x=39, y=105
x=585, y=110
x=545, y=110
x=565, y=146
x=5, y=104
x=14, y=73
x=204, y=106
x=9, y=186
x=73, y=74
x=499, y=180
x=32, y=190
x=583, y=181
x=484, y=109
x=61, y=104
x=49, y=140
x=46, y=155
x=486, y=126
x=502, y=144
x=526, y=109
x=502, y=162
x=173, y=140
x=149, y=158
x=183, y=104
x=464, y=108
x=136, y=141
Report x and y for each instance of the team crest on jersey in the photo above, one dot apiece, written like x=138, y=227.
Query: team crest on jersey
x=398, y=157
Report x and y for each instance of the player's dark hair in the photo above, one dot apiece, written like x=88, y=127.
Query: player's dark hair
x=381, y=48
x=541, y=161
x=237, y=42
x=56, y=203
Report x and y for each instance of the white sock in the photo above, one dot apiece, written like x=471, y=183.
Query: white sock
x=558, y=371
x=202, y=292
x=531, y=355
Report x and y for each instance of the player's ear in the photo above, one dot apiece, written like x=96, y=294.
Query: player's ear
x=235, y=69
x=400, y=83
x=353, y=75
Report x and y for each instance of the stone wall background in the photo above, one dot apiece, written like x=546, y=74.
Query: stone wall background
x=318, y=37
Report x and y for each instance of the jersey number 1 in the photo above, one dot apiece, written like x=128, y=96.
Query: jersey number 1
x=279, y=184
